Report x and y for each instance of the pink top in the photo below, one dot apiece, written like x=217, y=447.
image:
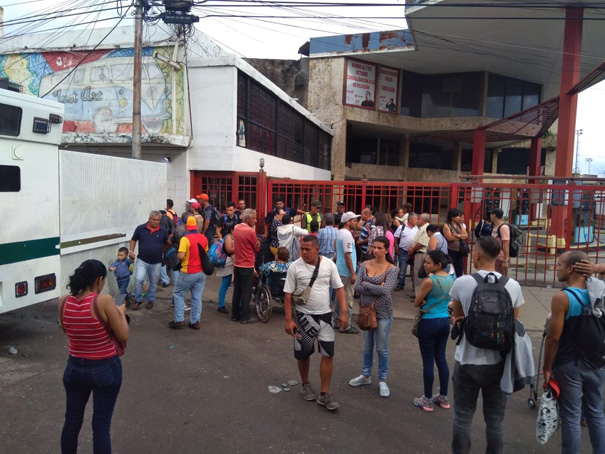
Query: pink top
x=88, y=338
x=391, y=239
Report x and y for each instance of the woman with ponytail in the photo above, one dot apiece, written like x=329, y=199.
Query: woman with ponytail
x=93, y=365
x=434, y=328
x=375, y=281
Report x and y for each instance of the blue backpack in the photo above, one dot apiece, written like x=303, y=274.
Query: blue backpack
x=217, y=254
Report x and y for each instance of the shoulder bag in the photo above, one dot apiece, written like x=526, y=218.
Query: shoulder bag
x=367, y=320
x=302, y=297
x=463, y=247
x=207, y=266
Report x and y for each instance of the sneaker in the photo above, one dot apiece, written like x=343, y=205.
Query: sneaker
x=223, y=310
x=398, y=288
x=424, y=403
x=350, y=330
x=165, y=285
x=307, y=392
x=136, y=305
x=325, y=400
x=384, y=389
x=149, y=305
x=195, y=326
x=250, y=320
x=441, y=401
x=359, y=381
x=176, y=325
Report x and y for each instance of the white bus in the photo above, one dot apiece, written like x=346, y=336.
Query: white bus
x=30, y=134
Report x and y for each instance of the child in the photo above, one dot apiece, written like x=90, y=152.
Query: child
x=121, y=269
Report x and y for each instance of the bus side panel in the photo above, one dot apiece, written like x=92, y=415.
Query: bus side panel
x=103, y=199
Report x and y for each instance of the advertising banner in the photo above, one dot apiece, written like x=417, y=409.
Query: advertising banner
x=360, y=84
x=388, y=84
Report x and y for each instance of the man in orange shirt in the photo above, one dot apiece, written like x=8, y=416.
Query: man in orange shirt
x=246, y=245
x=191, y=278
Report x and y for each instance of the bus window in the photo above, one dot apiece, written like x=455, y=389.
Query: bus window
x=10, y=120
x=10, y=179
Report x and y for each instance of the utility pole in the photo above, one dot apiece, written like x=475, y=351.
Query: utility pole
x=136, y=81
x=579, y=132
x=589, y=161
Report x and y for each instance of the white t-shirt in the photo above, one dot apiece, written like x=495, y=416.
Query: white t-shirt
x=406, y=235
x=298, y=278
x=462, y=290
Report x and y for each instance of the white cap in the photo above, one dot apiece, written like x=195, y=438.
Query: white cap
x=348, y=216
x=192, y=200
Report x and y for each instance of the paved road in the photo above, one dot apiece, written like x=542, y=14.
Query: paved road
x=207, y=391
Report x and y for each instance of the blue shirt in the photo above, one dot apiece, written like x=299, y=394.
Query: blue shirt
x=438, y=298
x=121, y=268
x=327, y=237
x=345, y=244
x=365, y=235
x=151, y=243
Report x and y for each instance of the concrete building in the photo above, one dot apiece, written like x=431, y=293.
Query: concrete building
x=209, y=115
x=405, y=104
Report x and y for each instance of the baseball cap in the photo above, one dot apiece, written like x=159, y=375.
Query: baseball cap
x=348, y=216
x=191, y=223
x=340, y=203
x=202, y=197
x=192, y=200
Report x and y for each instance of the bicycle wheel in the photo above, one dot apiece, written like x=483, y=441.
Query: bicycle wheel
x=263, y=304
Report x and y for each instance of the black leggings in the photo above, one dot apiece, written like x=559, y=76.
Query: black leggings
x=457, y=262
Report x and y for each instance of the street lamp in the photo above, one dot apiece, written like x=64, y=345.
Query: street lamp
x=578, y=134
x=588, y=160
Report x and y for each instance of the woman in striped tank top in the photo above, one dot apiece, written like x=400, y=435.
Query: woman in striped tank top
x=93, y=365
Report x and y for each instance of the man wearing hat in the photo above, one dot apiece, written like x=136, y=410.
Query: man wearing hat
x=346, y=262
x=312, y=215
x=209, y=218
x=192, y=277
x=340, y=208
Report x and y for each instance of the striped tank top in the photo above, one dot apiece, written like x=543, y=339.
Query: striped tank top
x=88, y=338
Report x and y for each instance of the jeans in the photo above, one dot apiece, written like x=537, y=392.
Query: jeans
x=349, y=293
x=141, y=270
x=581, y=393
x=404, y=256
x=164, y=275
x=468, y=380
x=196, y=283
x=81, y=377
x=123, y=284
x=380, y=338
x=242, y=292
x=222, y=292
x=432, y=338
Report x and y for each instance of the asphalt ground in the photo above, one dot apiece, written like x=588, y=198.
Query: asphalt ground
x=207, y=391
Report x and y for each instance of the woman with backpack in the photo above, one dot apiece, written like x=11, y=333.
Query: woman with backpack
x=94, y=365
x=433, y=330
x=455, y=233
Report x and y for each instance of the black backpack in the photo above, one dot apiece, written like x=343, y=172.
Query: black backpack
x=589, y=336
x=516, y=237
x=490, y=322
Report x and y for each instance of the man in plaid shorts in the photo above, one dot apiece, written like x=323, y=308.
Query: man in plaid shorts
x=313, y=320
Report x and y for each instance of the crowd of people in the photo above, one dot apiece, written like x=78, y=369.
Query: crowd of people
x=328, y=260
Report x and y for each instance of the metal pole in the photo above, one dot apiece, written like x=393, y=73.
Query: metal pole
x=136, y=82
x=578, y=134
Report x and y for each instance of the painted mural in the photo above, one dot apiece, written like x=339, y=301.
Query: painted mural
x=97, y=95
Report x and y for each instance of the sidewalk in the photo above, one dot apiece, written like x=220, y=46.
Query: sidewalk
x=533, y=313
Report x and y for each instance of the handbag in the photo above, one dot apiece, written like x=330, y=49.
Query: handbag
x=464, y=250
x=366, y=319
x=303, y=296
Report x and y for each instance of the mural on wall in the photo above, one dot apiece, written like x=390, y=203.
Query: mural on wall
x=98, y=95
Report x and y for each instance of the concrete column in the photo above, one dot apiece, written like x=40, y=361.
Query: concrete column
x=339, y=151
x=404, y=155
x=457, y=157
x=495, y=156
x=478, y=151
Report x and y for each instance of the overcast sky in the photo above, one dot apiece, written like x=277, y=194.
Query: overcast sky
x=281, y=38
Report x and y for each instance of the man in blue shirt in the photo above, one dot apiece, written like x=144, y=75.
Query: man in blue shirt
x=346, y=262
x=151, y=238
x=327, y=237
x=580, y=385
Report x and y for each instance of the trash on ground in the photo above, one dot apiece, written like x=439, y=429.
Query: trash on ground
x=12, y=350
x=274, y=389
x=292, y=383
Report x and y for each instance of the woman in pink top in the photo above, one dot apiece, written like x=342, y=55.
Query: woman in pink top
x=381, y=228
x=94, y=365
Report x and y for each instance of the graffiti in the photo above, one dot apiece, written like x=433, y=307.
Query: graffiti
x=96, y=88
